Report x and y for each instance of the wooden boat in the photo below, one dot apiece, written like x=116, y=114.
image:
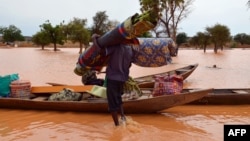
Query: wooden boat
x=144, y=104
x=148, y=81
x=225, y=97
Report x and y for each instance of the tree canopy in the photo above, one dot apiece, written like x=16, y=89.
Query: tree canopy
x=55, y=33
x=219, y=35
x=242, y=38
x=101, y=23
x=181, y=38
x=77, y=31
x=41, y=38
x=11, y=34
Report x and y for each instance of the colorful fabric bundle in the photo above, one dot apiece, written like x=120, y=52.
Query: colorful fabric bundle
x=92, y=58
x=167, y=85
x=125, y=33
x=154, y=52
x=131, y=28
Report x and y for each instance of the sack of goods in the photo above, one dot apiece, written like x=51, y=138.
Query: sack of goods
x=166, y=85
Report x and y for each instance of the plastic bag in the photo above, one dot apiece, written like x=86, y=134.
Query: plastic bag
x=5, y=82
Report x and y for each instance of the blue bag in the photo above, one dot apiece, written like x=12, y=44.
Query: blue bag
x=5, y=82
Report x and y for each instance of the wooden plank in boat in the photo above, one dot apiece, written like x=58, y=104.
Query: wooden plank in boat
x=55, y=89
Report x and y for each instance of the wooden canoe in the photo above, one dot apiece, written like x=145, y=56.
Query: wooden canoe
x=144, y=104
x=225, y=97
x=148, y=81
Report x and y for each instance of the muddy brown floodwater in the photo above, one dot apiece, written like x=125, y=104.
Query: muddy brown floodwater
x=182, y=123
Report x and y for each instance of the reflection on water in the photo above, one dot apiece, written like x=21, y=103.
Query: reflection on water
x=182, y=123
x=179, y=123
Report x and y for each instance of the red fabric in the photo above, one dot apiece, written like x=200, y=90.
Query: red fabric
x=92, y=59
x=167, y=85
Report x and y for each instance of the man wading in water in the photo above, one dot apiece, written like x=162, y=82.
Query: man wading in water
x=117, y=73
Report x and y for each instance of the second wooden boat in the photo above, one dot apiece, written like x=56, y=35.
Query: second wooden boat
x=148, y=81
x=225, y=96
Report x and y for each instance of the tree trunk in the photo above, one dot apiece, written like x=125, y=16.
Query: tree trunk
x=172, y=6
x=215, y=48
x=80, y=51
x=55, y=49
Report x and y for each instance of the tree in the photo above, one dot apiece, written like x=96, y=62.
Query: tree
x=77, y=32
x=11, y=34
x=203, y=39
x=194, y=41
x=101, y=23
x=220, y=35
x=181, y=38
x=172, y=12
x=242, y=38
x=41, y=38
x=55, y=33
x=2, y=29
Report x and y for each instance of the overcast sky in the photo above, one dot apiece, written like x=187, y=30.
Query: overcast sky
x=27, y=15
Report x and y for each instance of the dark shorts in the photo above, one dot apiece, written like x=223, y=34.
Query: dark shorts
x=114, y=93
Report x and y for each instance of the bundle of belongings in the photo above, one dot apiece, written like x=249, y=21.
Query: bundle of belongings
x=66, y=95
x=149, y=52
x=125, y=33
x=167, y=85
x=90, y=78
x=154, y=52
x=131, y=88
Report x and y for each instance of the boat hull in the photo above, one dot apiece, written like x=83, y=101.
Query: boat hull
x=225, y=97
x=148, y=81
x=139, y=106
